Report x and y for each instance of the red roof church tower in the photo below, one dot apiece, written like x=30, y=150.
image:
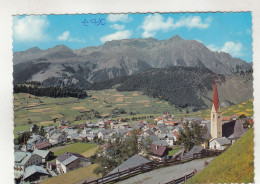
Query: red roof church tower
x=216, y=116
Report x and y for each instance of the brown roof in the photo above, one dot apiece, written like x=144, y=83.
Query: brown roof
x=158, y=150
x=42, y=145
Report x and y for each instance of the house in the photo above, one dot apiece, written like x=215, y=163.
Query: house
x=147, y=133
x=50, y=133
x=46, y=155
x=219, y=143
x=160, y=143
x=132, y=162
x=171, y=123
x=35, y=138
x=160, y=118
x=121, y=126
x=105, y=134
x=86, y=130
x=159, y=152
x=168, y=137
x=91, y=136
x=73, y=136
x=27, y=147
x=101, y=123
x=42, y=145
x=70, y=161
x=194, y=150
x=58, y=138
x=35, y=174
x=24, y=159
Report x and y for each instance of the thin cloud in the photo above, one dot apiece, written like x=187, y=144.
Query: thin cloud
x=65, y=36
x=235, y=49
x=30, y=28
x=117, y=36
x=117, y=26
x=119, y=18
x=213, y=47
x=156, y=22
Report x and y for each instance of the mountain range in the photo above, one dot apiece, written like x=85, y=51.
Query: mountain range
x=61, y=65
x=179, y=71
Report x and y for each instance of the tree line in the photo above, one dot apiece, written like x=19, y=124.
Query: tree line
x=55, y=92
x=119, y=151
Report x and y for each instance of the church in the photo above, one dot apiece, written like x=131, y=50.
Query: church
x=220, y=133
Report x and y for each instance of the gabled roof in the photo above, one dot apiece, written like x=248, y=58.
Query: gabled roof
x=42, y=145
x=215, y=98
x=69, y=160
x=222, y=141
x=158, y=150
x=67, y=155
x=34, y=169
x=21, y=158
x=195, y=149
x=41, y=153
x=233, y=129
x=133, y=161
x=160, y=143
x=55, y=136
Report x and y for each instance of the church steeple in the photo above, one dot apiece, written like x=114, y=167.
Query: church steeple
x=215, y=97
x=216, y=115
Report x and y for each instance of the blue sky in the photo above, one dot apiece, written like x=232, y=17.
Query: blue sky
x=228, y=32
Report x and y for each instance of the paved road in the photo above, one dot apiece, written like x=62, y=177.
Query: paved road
x=161, y=176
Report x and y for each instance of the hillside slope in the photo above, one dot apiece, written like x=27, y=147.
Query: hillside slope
x=236, y=165
x=185, y=86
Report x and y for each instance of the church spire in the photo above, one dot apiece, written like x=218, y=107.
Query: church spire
x=215, y=97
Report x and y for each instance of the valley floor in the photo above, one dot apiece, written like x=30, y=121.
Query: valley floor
x=168, y=173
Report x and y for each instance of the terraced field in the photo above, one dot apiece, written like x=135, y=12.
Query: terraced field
x=245, y=108
x=45, y=110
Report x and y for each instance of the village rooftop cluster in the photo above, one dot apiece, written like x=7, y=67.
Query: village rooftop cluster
x=32, y=158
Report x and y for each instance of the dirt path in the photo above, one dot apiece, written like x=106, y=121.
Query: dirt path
x=167, y=174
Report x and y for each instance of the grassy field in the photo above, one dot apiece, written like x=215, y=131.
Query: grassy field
x=42, y=110
x=174, y=150
x=236, y=165
x=74, y=176
x=243, y=108
x=82, y=148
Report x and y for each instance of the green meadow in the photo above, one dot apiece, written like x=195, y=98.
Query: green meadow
x=245, y=108
x=236, y=165
x=44, y=111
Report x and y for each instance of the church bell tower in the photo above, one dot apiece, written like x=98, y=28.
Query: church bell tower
x=216, y=116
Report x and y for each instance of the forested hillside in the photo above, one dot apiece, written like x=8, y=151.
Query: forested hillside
x=184, y=86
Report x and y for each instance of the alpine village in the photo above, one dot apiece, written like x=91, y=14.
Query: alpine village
x=131, y=128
